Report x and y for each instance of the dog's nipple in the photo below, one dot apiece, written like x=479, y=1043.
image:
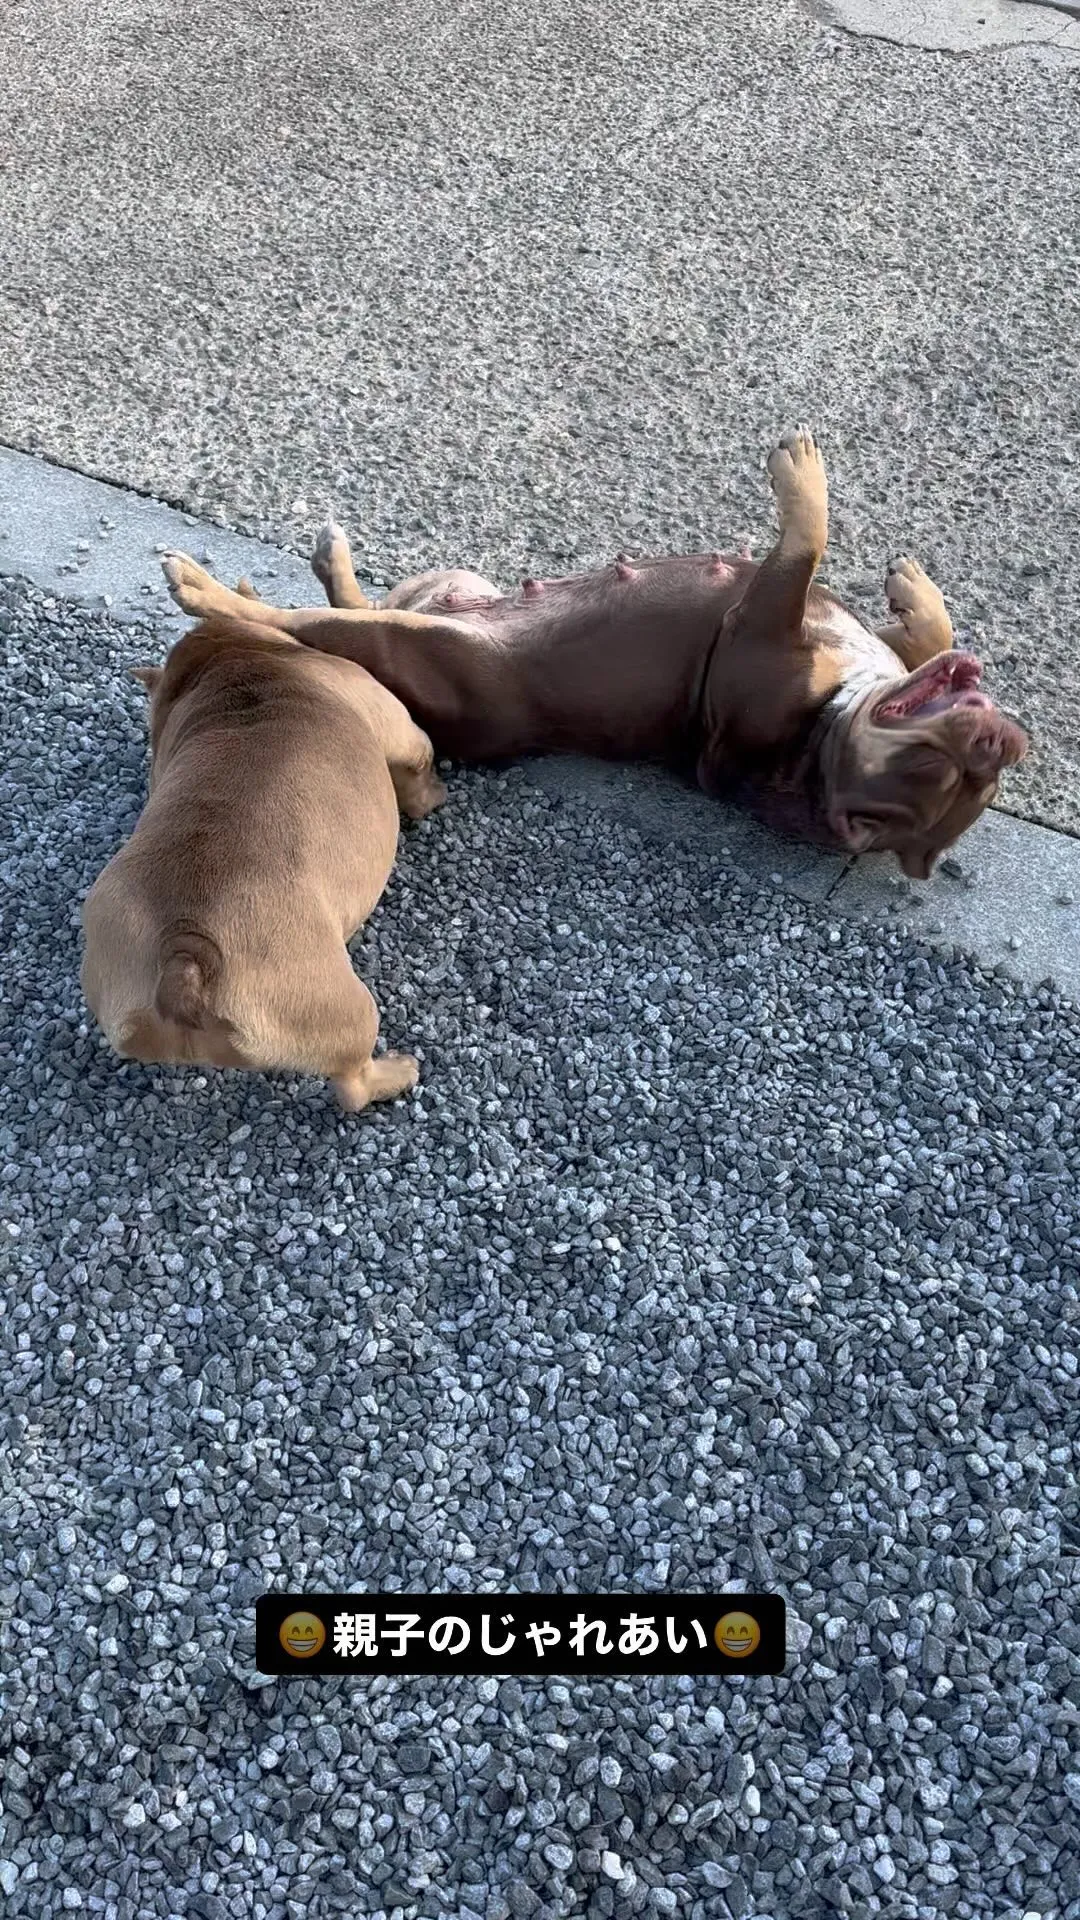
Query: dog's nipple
x=531, y=589
x=623, y=568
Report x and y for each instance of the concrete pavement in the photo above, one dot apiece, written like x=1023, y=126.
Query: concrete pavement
x=523, y=285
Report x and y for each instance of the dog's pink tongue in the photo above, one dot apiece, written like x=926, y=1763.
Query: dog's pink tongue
x=936, y=685
x=952, y=698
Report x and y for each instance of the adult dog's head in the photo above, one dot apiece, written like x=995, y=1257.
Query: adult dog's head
x=910, y=766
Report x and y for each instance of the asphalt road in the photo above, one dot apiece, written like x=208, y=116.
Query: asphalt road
x=725, y=1244
x=523, y=284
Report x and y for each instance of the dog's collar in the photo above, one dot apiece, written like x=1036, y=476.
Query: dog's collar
x=849, y=694
x=810, y=771
x=855, y=687
x=697, y=705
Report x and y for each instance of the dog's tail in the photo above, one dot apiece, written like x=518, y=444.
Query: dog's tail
x=190, y=969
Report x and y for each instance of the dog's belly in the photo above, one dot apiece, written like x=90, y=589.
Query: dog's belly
x=608, y=662
x=611, y=661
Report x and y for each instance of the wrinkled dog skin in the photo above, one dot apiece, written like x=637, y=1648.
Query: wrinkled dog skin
x=744, y=672
x=217, y=934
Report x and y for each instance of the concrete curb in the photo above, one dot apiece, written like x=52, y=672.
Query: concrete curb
x=1010, y=896
x=1035, y=30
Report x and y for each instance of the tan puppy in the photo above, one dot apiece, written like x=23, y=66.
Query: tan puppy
x=217, y=934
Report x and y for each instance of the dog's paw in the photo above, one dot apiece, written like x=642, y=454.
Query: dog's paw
x=796, y=462
x=330, y=552
x=797, y=472
x=916, y=602
x=394, y=1073
x=191, y=586
x=420, y=794
x=382, y=1079
x=906, y=585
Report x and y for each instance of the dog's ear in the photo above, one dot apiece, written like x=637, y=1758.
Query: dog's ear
x=148, y=676
x=862, y=821
x=854, y=830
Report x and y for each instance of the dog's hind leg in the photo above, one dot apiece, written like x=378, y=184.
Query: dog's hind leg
x=923, y=628
x=323, y=1021
x=382, y=1079
x=328, y=629
x=331, y=563
x=446, y=588
x=357, y=1079
x=421, y=657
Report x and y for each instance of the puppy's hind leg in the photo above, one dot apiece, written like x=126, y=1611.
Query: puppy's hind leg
x=357, y=1079
x=416, y=783
x=386, y=1078
x=331, y=563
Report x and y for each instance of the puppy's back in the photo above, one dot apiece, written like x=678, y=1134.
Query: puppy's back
x=268, y=835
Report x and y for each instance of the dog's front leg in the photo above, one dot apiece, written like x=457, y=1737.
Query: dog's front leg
x=761, y=674
x=773, y=607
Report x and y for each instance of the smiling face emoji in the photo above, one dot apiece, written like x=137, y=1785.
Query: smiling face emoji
x=302, y=1634
x=737, y=1634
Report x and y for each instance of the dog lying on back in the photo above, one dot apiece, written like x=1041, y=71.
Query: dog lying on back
x=217, y=934
x=745, y=673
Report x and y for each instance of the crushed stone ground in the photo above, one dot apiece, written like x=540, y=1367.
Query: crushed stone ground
x=725, y=1244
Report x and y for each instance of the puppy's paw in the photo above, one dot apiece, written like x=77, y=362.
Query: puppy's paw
x=382, y=1079
x=193, y=589
x=797, y=472
x=394, y=1073
x=420, y=796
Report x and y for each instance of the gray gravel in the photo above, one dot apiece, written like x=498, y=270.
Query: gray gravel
x=722, y=1244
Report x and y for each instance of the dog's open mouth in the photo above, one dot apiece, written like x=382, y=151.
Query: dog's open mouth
x=952, y=680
